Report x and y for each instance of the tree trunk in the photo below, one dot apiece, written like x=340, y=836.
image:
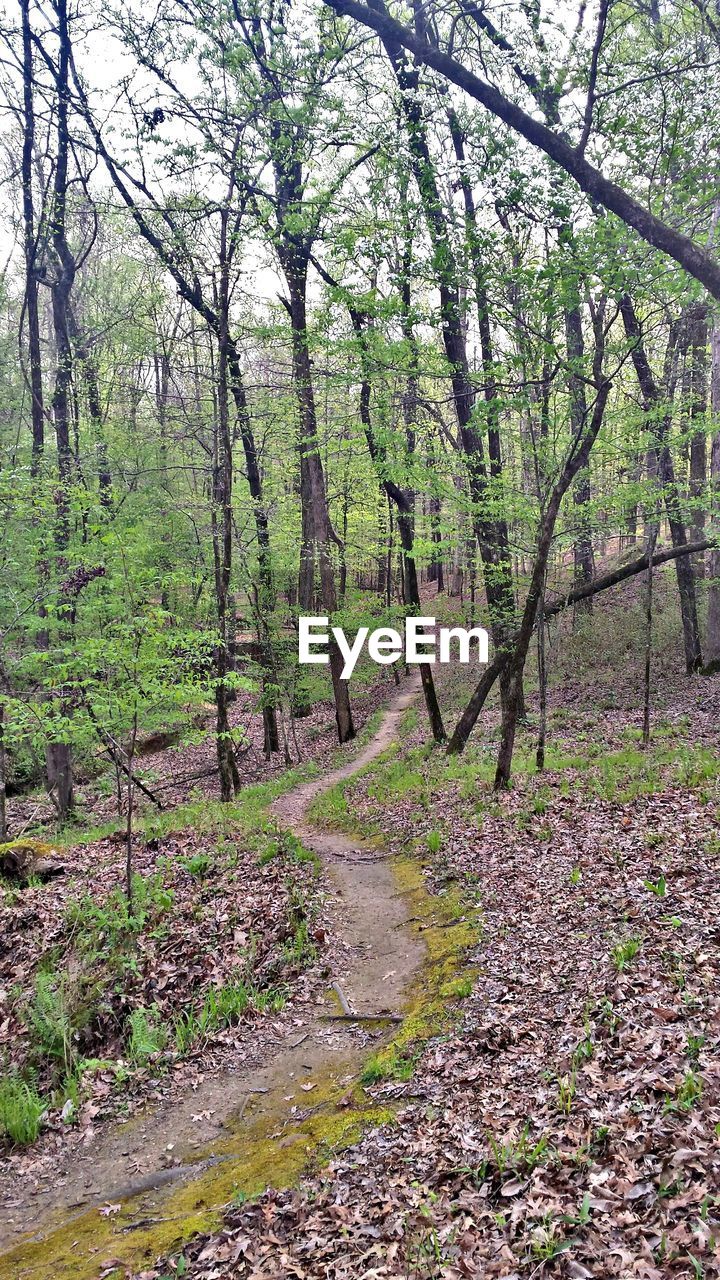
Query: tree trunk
x=3, y=774
x=712, y=654
x=221, y=520
x=30, y=246
x=698, y=335
x=404, y=499
x=59, y=752
x=575, y=347
x=542, y=685
x=653, y=399
x=436, y=572
x=479, y=697
x=490, y=529
x=94, y=406
x=316, y=519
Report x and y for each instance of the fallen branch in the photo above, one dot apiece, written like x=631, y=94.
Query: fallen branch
x=343, y=1000
x=137, y=782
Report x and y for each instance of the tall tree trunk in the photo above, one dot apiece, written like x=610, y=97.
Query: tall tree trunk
x=575, y=346
x=713, y=619
x=316, y=518
x=266, y=594
x=3, y=772
x=404, y=499
x=92, y=390
x=222, y=530
x=59, y=752
x=37, y=411
x=436, y=571
x=698, y=336
x=490, y=529
x=653, y=399
x=576, y=460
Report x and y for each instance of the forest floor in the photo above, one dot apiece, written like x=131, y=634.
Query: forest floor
x=106, y=1010
x=565, y=1121
x=263, y=1073
x=568, y=1123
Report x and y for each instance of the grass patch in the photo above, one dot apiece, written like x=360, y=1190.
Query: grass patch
x=624, y=952
x=390, y=1065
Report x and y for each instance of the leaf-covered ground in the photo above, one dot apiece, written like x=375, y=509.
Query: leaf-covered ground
x=102, y=1009
x=569, y=1123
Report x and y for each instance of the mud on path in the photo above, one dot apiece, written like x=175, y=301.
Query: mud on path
x=168, y=1170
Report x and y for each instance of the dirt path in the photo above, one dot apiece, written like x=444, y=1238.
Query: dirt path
x=187, y=1156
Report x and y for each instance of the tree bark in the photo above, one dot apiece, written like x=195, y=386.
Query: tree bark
x=222, y=530
x=491, y=531
x=575, y=345
x=576, y=460
x=92, y=390
x=404, y=499
x=698, y=336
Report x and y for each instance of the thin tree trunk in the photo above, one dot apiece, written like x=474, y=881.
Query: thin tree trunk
x=713, y=619
x=575, y=346
x=647, y=685
x=222, y=530
x=491, y=530
x=3, y=773
x=542, y=684
x=577, y=459
x=92, y=391
x=59, y=752
x=30, y=246
x=698, y=336
x=404, y=499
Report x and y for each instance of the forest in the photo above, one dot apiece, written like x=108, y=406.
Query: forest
x=359, y=312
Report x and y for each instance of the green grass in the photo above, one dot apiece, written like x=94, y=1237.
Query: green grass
x=521, y=1154
x=687, y=1094
x=394, y=1065
x=223, y=1007
x=197, y=865
x=624, y=952
x=433, y=840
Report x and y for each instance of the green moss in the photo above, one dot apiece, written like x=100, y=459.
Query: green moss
x=245, y=1164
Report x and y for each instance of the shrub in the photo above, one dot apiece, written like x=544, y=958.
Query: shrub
x=148, y=1036
x=50, y=1020
x=21, y=1110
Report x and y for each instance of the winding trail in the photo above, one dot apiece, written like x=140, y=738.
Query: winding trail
x=261, y=1122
